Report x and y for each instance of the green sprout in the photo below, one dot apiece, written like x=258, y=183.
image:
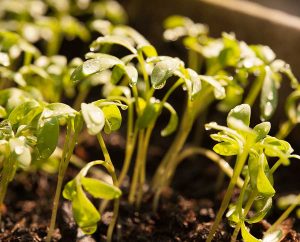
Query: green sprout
x=231, y=63
x=252, y=148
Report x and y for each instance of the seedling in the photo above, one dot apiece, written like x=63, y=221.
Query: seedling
x=50, y=22
x=219, y=56
x=84, y=212
x=253, y=146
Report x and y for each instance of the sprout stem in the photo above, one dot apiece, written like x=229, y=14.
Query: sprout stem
x=223, y=164
x=285, y=129
x=137, y=167
x=111, y=170
x=254, y=91
x=8, y=170
x=241, y=159
x=284, y=215
x=65, y=158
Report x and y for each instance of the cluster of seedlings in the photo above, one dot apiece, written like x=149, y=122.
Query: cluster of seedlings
x=35, y=79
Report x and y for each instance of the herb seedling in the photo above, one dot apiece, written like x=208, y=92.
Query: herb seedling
x=218, y=57
x=253, y=146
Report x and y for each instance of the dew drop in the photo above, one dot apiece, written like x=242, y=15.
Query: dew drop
x=19, y=149
x=48, y=113
x=160, y=86
x=268, y=109
x=90, y=67
x=270, y=96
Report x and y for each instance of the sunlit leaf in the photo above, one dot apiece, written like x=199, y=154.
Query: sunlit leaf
x=93, y=117
x=100, y=189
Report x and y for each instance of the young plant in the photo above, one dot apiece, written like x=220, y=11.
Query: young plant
x=50, y=22
x=84, y=212
x=253, y=148
x=289, y=203
x=219, y=58
x=99, y=115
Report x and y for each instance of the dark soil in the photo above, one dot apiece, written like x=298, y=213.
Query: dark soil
x=184, y=214
x=178, y=219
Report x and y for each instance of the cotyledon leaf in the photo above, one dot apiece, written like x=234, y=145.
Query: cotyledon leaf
x=100, y=189
x=97, y=63
x=113, y=118
x=173, y=121
x=85, y=214
x=47, y=138
x=269, y=95
x=93, y=117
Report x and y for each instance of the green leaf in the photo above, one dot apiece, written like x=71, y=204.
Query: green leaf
x=247, y=236
x=163, y=70
x=132, y=74
x=47, y=138
x=100, y=189
x=241, y=112
x=175, y=21
x=24, y=113
x=148, y=115
x=58, y=110
x=148, y=50
x=70, y=191
x=3, y=112
x=21, y=151
x=219, y=90
x=262, y=130
x=292, y=106
x=112, y=39
x=113, y=118
x=234, y=96
x=173, y=121
x=277, y=148
x=226, y=149
x=99, y=63
x=193, y=83
x=263, y=183
x=93, y=117
x=269, y=95
x=259, y=216
x=85, y=214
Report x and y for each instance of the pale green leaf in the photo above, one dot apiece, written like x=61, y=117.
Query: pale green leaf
x=100, y=189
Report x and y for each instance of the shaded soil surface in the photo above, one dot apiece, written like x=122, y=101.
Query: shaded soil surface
x=28, y=209
x=185, y=215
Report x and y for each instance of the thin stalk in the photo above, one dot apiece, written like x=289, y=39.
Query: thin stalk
x=223, y=164
x=284, y=215
x=143, y=164
x=82, y=94
x=141, y=60
x=115, y=182
x=275, y=166
x=193, y=60
x=79, y=163
x=240, y=209
x=199, y=131
x=27, y=59
x=285, y=129
x=246, y=211
x=137, y=166
x=61, y=173
x=193, y=109
x=176, y=146
x=254, y=91
x=7, y=172
x=130, y=144
x=241, y=159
